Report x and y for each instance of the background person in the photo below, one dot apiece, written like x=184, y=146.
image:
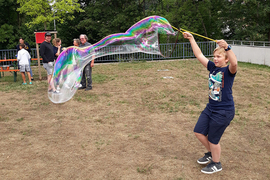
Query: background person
x=57, y=48
x=22, y=58
x=46, y=52
x=26, y=47
x=76, y=42
x=87, y=71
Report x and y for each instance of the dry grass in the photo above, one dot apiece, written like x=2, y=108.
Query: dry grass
x=134, y=124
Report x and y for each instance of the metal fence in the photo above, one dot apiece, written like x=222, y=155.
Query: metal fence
x=177, y=51
x=250, y=43
x=181, y=51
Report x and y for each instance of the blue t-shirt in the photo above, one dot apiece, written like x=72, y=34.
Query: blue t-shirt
x=220, y=87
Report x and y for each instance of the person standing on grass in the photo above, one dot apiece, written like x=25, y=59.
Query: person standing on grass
x=23, y=57
x=220, y=110
x=87, y=70
x=47, y=54
x=27, y=47
x=57, y=48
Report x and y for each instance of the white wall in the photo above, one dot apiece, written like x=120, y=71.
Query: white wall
x=255, y=55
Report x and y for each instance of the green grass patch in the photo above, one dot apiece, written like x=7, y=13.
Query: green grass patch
x=135, y=65
x=20, y=119
x=254, y=66
x=99, y=78
x=86, y=97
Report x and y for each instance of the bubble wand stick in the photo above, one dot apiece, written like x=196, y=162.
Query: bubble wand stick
x=183, y=30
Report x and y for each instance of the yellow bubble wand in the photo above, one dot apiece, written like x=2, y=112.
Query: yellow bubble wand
x=183, y=30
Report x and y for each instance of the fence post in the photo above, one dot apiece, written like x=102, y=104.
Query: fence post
x=15, y=76
x=39, y=71
x=183, y=51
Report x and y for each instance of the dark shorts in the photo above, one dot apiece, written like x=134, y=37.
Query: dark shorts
x=213, y=123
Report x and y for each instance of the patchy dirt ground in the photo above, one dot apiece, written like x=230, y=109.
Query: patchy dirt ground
x=134, y=125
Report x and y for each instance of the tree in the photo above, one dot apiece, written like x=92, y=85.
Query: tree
x=105, y=17
x=227, y=19
x=199, y=16
x=46, y=11
x=8, y=18
x=247, y=20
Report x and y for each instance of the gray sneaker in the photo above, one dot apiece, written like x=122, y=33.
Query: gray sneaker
x=205, y=159
x=212, y=168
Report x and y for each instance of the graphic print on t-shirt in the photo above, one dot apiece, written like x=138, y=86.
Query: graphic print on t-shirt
x=215, y=86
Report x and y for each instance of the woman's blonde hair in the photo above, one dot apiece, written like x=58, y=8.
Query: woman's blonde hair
x=55, y=41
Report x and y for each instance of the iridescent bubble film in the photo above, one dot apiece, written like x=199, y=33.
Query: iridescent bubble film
x=141, y=37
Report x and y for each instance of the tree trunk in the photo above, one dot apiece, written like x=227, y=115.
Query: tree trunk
x=144, y=7
x=204, y=28
x=205, y=32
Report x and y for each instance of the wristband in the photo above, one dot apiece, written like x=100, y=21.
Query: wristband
x=229, y=48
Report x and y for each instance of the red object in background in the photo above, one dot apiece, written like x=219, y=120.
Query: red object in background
x=40, y=37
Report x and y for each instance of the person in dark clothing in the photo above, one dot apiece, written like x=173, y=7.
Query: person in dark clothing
x=47, y=54
x=27, y=48
x=220, y=110
x=87, y=71
x=57, y=48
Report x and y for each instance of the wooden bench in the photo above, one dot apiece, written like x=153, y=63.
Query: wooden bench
x=6, y=67
x=7, y=64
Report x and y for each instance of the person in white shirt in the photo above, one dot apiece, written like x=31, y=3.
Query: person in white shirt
x=23, y=59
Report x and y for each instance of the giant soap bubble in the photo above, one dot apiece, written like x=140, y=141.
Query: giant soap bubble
x=141, y=37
